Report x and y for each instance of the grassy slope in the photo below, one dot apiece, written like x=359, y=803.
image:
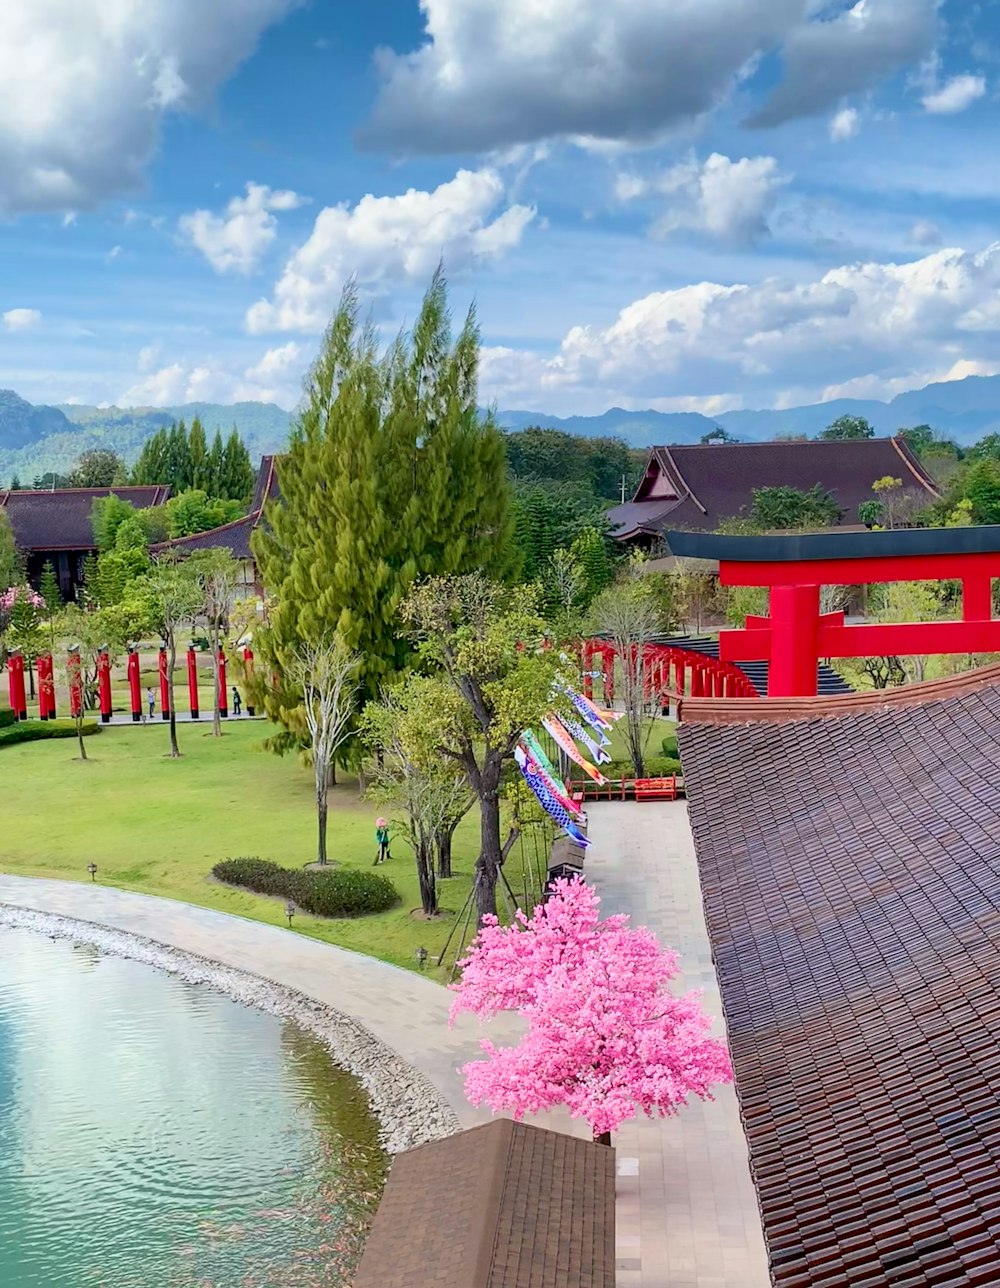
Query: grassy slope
x=158, y=826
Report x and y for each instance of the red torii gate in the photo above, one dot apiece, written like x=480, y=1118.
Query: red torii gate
x=668, y=671
x=796, y=635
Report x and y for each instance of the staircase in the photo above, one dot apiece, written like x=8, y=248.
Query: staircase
x=829, y=683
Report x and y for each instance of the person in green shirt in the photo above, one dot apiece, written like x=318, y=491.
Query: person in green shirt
x=382, y=840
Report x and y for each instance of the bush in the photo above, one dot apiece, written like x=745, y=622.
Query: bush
x=341, y=892
x=655, y=767
x=37, y=730
x=6, y=718
x=669, y=746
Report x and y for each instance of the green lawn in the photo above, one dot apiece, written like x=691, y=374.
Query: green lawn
x=158, y=826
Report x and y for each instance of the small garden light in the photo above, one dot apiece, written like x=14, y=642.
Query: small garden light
x=421, y=956
x=289, y=913
x=92, y=869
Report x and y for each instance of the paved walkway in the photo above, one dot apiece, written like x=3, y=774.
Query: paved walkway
x=687, y=1211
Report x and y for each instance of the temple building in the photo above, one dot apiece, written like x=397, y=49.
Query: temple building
x=702, y=486
x=56, y=527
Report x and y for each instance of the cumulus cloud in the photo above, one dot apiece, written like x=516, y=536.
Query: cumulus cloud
x=831, y=57
x=276, y=378
x=21, y=319
x=391, y=239
x=87, y=85
x=884, y=324
x=236, y=240
x=276, y=362
x=954, y=95
x=925, y=233
x=496, y=72
x=845, y=124
x=729, y=200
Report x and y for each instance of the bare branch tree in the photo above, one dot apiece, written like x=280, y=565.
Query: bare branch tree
x=326, y=672
x=216, y=572
x=628, y=614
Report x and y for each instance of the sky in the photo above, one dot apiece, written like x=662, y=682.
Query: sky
x=677, y=204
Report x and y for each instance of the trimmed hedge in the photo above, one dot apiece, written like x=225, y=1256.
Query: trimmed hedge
x=6, y=718
x=669, y=745
x=341, y=892
x=37, y=730
x=656, y=767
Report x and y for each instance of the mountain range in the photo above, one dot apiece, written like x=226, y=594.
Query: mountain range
x=35, y=439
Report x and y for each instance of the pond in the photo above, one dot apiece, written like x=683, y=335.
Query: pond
x=154, y=1132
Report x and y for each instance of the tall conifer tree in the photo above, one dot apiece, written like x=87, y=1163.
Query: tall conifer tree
x=392, y=474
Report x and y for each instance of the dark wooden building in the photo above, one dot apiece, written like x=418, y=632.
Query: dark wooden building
x=504, y=1205
x=699, y=487
x=849, y=851
x=55, y=526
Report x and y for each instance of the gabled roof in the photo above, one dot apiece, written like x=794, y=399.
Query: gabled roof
x=531, y=1209
x=236, y=534
x=60, y=519
x=700, y=486
x=850, y=870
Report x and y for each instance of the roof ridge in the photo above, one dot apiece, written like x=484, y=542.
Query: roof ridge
x=222, y=527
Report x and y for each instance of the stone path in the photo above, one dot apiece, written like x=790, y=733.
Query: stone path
x=687, y=1212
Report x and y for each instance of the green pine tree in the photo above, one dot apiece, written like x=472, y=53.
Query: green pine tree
x=391, y=475
x=198, y=453
x=48, y=588
x=153, y=465
x=214, y=467
x=236, y=483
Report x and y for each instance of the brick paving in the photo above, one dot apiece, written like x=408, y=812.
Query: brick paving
x=687, y=1214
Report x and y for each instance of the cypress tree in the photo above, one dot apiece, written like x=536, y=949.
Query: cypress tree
x=214, y=467
x=48, y=588
x=198, y=454
x=391, y=475
x=237, y=479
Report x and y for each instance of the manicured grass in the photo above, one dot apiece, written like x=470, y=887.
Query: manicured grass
x=158, y=826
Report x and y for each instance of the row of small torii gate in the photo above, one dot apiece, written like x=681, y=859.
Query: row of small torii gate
x=45, y=671
x=792, y=639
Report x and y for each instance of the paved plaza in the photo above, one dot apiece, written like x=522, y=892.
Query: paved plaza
x=686, y=1211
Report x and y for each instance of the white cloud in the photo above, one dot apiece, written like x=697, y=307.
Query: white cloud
x=925, y=233
x=845, y=124
x=21, y=319
x=496, y=72
x=391, y=239
x=883, y=327
x=237, y=240
x=730, y=200
x=276, y=377
x=276, y=362
x=86, y=84
x=113, y=254
x=955, y=95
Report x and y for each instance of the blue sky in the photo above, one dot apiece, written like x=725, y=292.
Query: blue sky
x=681, y=204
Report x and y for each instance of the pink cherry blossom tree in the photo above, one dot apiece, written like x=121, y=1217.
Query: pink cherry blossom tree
x=605, y=1038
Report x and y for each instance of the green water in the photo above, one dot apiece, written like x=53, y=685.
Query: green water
x=155, y=1134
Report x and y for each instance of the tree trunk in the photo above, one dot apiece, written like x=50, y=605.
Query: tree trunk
x=213, y=637
x=442, y=841
x=425, y=875
x=31, y=678
x=79, y=732
x=321, y=820
x=490, y=857
x=175, y=751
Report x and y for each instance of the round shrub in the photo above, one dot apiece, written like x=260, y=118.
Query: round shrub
x=35, y=730
x=339, y=892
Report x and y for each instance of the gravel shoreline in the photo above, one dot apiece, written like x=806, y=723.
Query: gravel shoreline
x=408, y=1107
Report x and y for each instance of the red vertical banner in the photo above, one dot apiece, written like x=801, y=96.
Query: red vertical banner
x=248, y=675
x=46, y=688
x=164, y=685
x=73, y=671
x=192, y=664
x=104, y=685
x=134, y=686
x=223, y=691
x=15, y=686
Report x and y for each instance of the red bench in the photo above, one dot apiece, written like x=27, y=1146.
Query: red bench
x=656, y=789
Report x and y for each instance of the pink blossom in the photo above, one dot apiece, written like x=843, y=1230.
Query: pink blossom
x=22, y=594
x=604, y=1036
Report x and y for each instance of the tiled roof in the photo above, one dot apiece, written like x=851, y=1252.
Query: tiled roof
x=236, y=534
x=851, y=876
x=714, y=482
x=61, y=519
x=521, y=1207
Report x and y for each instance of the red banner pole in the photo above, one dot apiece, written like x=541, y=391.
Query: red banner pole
x=134, y=686
x=15, y=686
x=104, y=684
x=248, y=673
x=223, y=691
x=73, y=670
x=164, y=684
x=46, y=688
x=192, y=665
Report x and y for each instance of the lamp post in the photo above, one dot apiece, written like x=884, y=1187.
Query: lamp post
x=92, y=869
x=289, y=913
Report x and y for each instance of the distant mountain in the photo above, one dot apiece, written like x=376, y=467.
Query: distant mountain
x=637, y=428
x=34, y=440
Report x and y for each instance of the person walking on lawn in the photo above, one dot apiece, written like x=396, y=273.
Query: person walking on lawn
x=237, y=702
x=382, y=841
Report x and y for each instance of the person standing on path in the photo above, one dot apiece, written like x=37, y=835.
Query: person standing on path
x=237, y=702
x=382, y=841
x=151, y=700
